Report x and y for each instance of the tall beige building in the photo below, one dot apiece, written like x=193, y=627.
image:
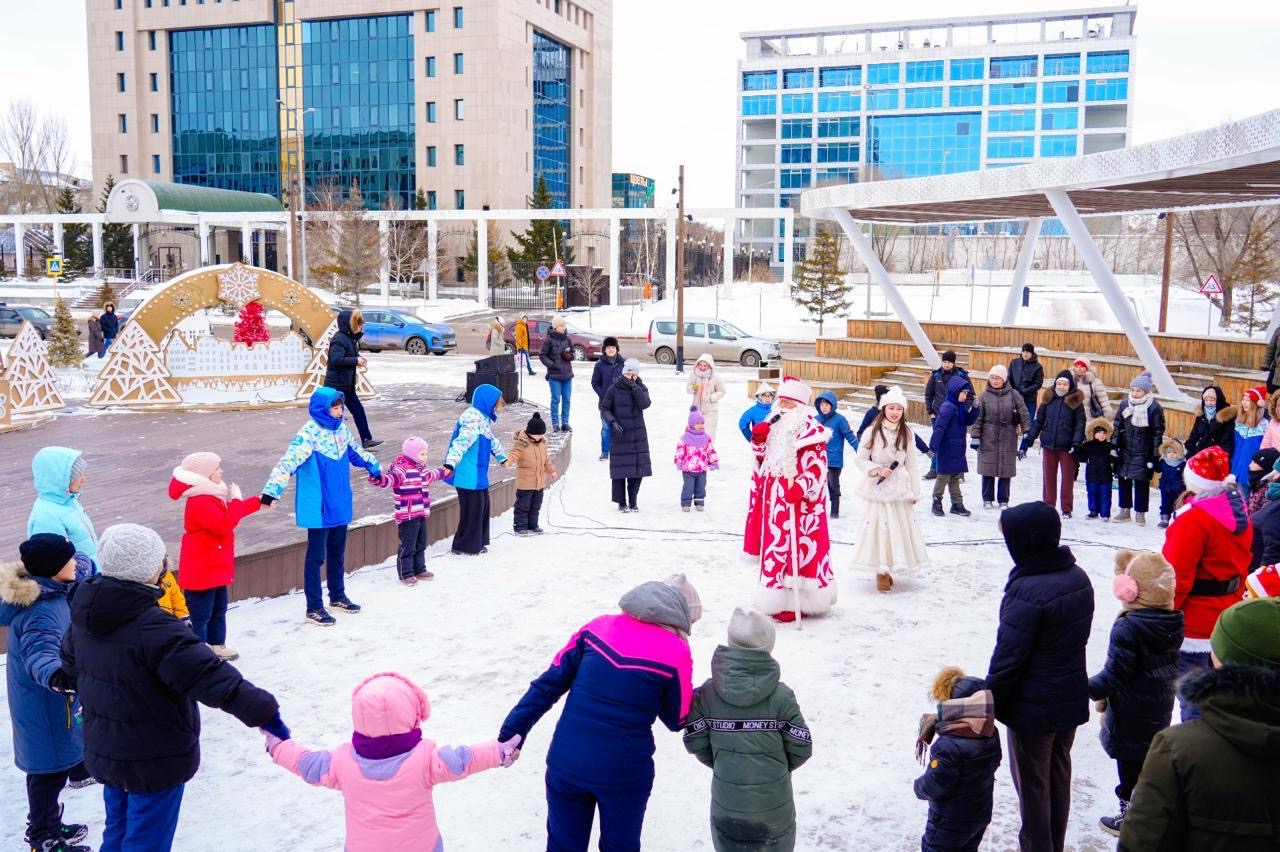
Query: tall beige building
x=469, y=101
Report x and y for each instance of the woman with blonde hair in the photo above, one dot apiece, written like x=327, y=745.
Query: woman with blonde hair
x=340, y=374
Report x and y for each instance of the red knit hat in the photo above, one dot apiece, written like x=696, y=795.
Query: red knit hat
x=1264, y=583
x=1209, y=468
x=1258, y=395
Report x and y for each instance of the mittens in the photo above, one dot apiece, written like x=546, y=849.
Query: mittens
x=760, y=432
x=794, y=493
x=267, y=499
x=277, y=728
x=60, y=681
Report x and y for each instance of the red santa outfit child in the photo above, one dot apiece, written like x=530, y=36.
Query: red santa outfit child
x=787, y=517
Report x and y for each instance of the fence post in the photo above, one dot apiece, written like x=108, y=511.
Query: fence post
x=482, y=266
x=615, y=258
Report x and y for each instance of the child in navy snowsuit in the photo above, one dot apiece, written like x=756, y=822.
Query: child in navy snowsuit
x=841, y=434
x=960, y=776
x=1173, y=462
x=1098, y=455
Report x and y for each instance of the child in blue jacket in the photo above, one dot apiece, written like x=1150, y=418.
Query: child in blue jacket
x=320, y=455
x=58, y=473
x=43, y=709
x=1173, y=461
x=758, y=413
x=841, y=433
x=467, y=459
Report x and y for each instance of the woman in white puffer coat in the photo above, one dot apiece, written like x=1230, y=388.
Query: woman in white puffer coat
x=708, y=389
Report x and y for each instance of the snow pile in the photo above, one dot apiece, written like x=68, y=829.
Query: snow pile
x=487, y=625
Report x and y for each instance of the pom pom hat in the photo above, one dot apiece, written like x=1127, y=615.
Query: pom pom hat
x=1263, y=583
x=1208, y=469
x=1258, y=396
x=894, y=396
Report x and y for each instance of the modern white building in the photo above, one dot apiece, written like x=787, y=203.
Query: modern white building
x=822, y=106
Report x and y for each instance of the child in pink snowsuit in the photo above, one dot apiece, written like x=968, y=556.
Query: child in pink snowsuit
x=695, y=455
x=387, y=770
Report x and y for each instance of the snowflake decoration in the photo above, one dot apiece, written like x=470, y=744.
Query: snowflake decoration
x=238, y=285
x=182, y=301
x=291, y=297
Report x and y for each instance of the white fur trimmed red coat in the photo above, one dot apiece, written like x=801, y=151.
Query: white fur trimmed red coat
x=770, y=536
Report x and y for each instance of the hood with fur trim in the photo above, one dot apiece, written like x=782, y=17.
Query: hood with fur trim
x=19, y=590
x=1097, y=423
x=187, y=484
x=1224, y=414
x=1073, y=399
x=1179, y=448
x=1241, y=703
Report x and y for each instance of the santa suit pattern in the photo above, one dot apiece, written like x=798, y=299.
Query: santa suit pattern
x=770, y=535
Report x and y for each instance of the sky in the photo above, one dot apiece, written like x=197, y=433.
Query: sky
x=675, y=65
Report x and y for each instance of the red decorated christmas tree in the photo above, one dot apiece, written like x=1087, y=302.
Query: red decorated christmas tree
x=251, y=327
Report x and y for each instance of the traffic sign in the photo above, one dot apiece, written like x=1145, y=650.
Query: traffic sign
x=1211, y=286
x=558, y=269
x=543, y=272
x=53, y=267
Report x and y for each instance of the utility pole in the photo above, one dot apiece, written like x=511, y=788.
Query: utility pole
x=1164, y=275
x=680, y=276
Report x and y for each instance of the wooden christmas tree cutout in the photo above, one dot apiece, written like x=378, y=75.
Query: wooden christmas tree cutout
x=320, y=363
x=6, y=412
x=33, y=384
x=135, y=373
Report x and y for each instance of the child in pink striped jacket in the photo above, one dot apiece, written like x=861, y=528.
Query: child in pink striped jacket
x=695, y=455
x=410, y=481
x=387, y=772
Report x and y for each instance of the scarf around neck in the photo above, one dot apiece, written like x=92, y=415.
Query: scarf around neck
x=1138, y=410
x=380, y=748
x=696, y=439
x=968, y=717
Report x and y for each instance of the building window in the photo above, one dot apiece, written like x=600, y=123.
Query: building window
x=457, y=63
x=966, y=96
x=838, y=152
x=431, y=66
x=1011, y=93
x=839, y=102
x=1004, y=67
x=155, y=122
x=924, y=98
x=124, y=164
x=967, y=69
x=1015, y=119
x=553, y=117
x=885, y=72
x=459, y=159
x=797, y=78
x=883, y=99
x=848, y=75
x=759, y=104
x=1116, y=89
x=1058, y=146
x=155, y=164
x=838, y=128
x=794, y=178
x=119, y=82
x=1062, y=118
x=151, y=40
x=924, y=72
x=431, y=112
x=119, y=40
x=457, y=25
x=431, y=156
x=1060, y=93
x=1062, y=65
x=155, y=82
x=797, y=103
x=759, y=81
x=797, y=128
x=840, y=174
x=431, y=199
x=1109, y=62
x=797, y=153
x=457, y=109
x=906, y=146
x=430, y=18
x=459, y=199
x=1004, y=147
x=122, y=122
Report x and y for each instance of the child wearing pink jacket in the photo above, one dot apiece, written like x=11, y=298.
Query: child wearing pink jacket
x=695, y=455
x=387, y=771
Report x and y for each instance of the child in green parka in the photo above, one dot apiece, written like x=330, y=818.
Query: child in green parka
x=746, y=725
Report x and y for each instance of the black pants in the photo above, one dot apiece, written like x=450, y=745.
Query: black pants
x=528, y=505
x=1128, y=770
x=626, y=490
x=1135, y=494
x=43, y=813
x=1041, y=769
x=833, y=490
x=356, y=407
x=995, y=489
x=473, y=521
x=411, y=557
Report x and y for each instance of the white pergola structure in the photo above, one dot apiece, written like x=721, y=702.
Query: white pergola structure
x=1235, y=164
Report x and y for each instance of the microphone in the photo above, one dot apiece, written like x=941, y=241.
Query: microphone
x=775, y=418
x=880, y=479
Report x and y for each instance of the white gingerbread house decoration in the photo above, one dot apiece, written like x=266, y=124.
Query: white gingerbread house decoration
x=6, y=412
x=320, y=363
x=33, y=385
x=135, y=373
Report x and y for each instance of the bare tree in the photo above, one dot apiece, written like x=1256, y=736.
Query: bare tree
x=20, y=142
x=406, y=250
x=351, y=251
x=56, y=159
x=1237, y=244
x=588, y=280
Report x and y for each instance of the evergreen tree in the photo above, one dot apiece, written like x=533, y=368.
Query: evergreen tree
x=351, y=258
x=77, y=248
x=106, y=296
x=64, y=343
x=251, y=326
x=420, y=200
x=820, y=285
x=117, y=240
x=543, y=241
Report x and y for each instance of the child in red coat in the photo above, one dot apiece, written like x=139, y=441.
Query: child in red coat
x=207, y=564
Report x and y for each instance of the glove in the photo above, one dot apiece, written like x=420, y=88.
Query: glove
x=448, y=469
x=376, y=480
x=60, y=681
x=975, y=444
x=277, y=728
x=267, y=499
x=1075, y=448
x=760, y=432
x=567, y=354
x=187, y=621
x=715, y=467
x=1022, y=453
x=794, y=493
x=509, y=751
x=616, y=427
x=1100, y=705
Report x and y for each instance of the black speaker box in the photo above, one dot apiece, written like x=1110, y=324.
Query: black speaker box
x=496, y=364
x=508, y=383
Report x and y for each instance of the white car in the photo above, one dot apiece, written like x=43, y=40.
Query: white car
x=723, y=340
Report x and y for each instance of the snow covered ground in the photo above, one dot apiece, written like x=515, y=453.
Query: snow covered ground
x=476, y=635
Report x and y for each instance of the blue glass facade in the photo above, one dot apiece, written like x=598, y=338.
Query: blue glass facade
x=222, y=85
x=357, y=74
x=552, y=115
x=907, y=146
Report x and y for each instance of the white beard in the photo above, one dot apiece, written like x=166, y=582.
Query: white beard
x=780, y=449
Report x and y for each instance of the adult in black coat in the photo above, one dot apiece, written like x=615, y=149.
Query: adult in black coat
x=623, y=408
x=1037, y=670
x=1059, y=425
x=556, y=355
x=603, y=375
x=344, y=359
x=110, y=323
x=1215, y=424
x=1026, y=376
x=139, y=672
x=1266, y=536
x=935, y=387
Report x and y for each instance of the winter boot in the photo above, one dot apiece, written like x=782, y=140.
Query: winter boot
x=937, y=508
x=700, y=506
x=1122, y=517
x=1140, y=518
x=371, y=444
x=68, y=833
x=1092, y=516
x=87, y=781
x=1066, y=516
x=222, y=652
x=321, y=617
x=56, y=844
x=835, y=507
x=413, y=581
x=959, y=509
x=424, y=574
x=933, y=474
x=785, y=617
x=604, y=457
x=884, y=581
x=987, y=504
x=685, y=509
x=1164, y=522
x=345, y=604
x=1003, y=506
x=1111, y=824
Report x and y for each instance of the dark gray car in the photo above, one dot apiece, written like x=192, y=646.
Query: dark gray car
x=12, y=317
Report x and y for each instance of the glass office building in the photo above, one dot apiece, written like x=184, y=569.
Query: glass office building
x=632, y=190
x=889, y=101
x=552, y=113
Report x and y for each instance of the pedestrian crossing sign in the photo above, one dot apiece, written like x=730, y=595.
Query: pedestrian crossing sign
x=53, y=267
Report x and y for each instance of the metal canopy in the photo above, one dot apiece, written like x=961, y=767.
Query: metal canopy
x=1236, y=163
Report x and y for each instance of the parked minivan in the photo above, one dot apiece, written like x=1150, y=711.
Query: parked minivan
x=723, y=340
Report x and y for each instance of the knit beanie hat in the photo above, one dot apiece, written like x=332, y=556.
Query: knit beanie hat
x=1263, y=583
x=1207, y=469
x=1144, y=580
x=201, y=464
x=412, y=446
x=1081, y=362
x=631, y=365
x=536, y=425
x=893, y=396
x=45, y=554
x=1029, y=347
x=751, y=630
x=1266, y=459
x=1142, y=382
x=681, y=584
x=78, y=466
x=765, y=388
x=794, y=389
x=695, y=417
x=999, y=371
x=949, y=356
x=1249, y=633
x=130, y=552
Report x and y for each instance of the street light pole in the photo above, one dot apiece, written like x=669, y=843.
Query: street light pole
x=300, y=117
x=680, y=277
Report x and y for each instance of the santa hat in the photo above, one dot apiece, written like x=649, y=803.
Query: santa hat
x=1210, y=468
x=893, y=396
x=999, y=371
x=1258, y=395
x=1263, y=583
x=794, y=389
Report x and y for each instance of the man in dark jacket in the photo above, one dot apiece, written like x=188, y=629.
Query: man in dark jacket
x=340, y=374
x=1026, y=376
x=1209, y=785
x=1037, y=670
x=557, y=356
x=935, y=394
x=110, y=324
x=139, y=673
x=607, y=371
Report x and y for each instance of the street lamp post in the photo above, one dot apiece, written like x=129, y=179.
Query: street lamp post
x=300, y=120
x=680, y=277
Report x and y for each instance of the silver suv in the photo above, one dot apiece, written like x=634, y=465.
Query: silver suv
x=723, y=340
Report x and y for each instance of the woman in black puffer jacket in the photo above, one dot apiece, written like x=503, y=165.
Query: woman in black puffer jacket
x=623, y=408
x=344, y=359
x=1215, y=424
x=1059, y=425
